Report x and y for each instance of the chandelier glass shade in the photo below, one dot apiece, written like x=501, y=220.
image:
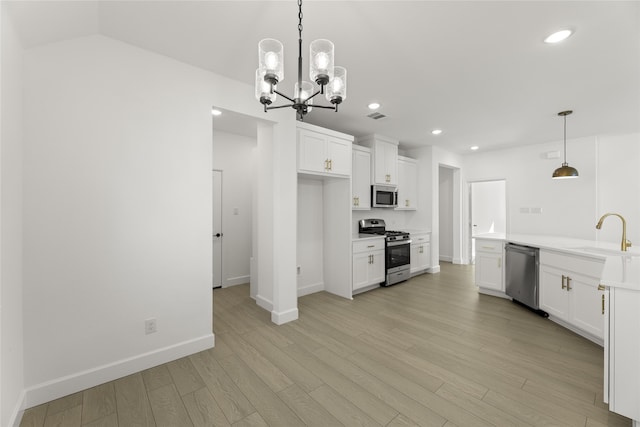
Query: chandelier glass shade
x=330, y=79
x=565, y=171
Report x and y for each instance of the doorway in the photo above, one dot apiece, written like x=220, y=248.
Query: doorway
x=487, y=210
x=217, y=229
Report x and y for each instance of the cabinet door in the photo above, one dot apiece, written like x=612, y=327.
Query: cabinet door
x=425, y=256
x=415, y=257
x=385, y=163
x=311, y=151
x=489, y=270
x=339, y=155
x=376, y=269
x=552, y=297
x=585, y=305
x=361, y=266
x=360, y=180
x=407, y=185
x=391, y=162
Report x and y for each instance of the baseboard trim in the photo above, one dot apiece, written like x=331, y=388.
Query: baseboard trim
x=18, y=412
x=310, y=289
x=264, y=303
x=59, y=387
x=446, y=258
x=233, y=281
x=284, y=317
x=457, y=261
x=434, y=269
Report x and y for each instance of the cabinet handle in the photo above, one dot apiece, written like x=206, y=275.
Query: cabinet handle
x=563, y=279
x=601, y=287
x=371, y=246
x=358, y=200
x=491, y=247
x=330, y=164
x=568, y=283
x=602, y=304
x=326, y=164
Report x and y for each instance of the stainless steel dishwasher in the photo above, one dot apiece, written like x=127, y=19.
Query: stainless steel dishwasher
x=521, y=274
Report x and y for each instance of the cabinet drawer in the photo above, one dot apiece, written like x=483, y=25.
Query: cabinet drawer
x=586, y=266
x=420, y=238
x=368, y=245
x=486, y=245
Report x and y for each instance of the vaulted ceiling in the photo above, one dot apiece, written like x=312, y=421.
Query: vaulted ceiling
x=478, y=70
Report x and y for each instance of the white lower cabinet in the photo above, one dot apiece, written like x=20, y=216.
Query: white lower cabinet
x=622, y=352
x=420, y=252
x=488, y=265
x=569, y=292
x=368, y=263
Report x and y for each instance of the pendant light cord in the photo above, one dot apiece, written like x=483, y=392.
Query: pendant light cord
x=565, y=139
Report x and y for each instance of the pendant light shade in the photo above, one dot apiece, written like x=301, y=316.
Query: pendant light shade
x=565, y=171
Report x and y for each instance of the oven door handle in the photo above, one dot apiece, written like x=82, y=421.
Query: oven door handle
x=399, y=242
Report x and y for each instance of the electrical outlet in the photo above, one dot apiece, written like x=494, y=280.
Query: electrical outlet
x=150, y=326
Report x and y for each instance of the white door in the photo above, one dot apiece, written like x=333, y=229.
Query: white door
x=217, y=229
x=488, y=209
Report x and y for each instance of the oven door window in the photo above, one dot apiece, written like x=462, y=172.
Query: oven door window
x=398, y=255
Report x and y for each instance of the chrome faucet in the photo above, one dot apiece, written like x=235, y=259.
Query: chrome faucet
x=625, y=243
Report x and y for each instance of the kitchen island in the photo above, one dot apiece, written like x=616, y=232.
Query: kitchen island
x=579, y=280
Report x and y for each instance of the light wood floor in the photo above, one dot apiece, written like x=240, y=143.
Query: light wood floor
x=430, y=351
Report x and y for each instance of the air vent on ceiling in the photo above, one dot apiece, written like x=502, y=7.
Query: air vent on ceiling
x=376, y=116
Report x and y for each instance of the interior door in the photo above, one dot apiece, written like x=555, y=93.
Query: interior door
x=217, y=229
x=488, y=209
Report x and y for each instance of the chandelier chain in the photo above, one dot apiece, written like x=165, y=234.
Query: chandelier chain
x=300, y=19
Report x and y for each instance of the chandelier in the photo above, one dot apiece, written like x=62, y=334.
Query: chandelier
x=331, y=79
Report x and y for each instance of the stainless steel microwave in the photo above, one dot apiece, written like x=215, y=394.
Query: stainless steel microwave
x=384, y=196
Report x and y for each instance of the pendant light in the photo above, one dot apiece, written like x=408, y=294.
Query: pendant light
x=331, y=78
x=565, y=171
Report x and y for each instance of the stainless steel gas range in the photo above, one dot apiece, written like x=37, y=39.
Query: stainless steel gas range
x=397, y=249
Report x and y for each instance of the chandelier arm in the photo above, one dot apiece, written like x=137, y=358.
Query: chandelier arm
x=305, y=101
x=328, y=107
x=285, y=96
x=279, y=106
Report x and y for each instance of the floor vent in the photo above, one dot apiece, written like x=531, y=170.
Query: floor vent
x=376, y=116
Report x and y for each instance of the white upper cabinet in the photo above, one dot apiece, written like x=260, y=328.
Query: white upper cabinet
x=360, y=175
x=407, y=184
x=323, y=151
x=384, y=159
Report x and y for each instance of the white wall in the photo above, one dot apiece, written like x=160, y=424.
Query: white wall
x=310, y=235
x=445, y=213
x=618, y=185
x=117, y=211
x=11, y=310
x=235, y=156
x=117, y=200
x=609, y=180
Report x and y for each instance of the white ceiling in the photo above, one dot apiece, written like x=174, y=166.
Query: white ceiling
x=476, y=69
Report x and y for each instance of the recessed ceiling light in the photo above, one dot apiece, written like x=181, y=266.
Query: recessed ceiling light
x=558, y=36
x=374, y=106
x=216, y=112
x=474, y=148
x=436, y=131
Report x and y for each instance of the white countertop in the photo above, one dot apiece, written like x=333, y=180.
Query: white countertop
x=621, y=269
